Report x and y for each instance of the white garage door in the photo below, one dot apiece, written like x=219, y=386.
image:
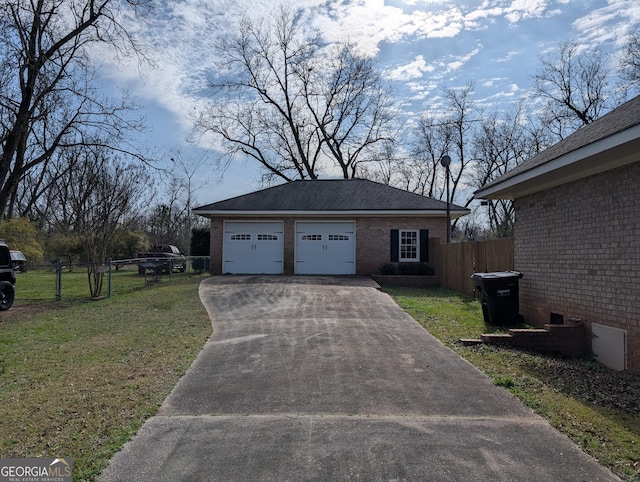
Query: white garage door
x=325, y=248
x=253, y=247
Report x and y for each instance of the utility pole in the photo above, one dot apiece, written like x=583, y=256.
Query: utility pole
x=446, y=161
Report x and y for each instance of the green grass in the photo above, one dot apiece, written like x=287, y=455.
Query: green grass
x=599, y=409
x=79, y=378
x=39, y=283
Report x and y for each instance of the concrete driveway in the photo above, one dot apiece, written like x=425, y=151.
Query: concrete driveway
x=326, y=378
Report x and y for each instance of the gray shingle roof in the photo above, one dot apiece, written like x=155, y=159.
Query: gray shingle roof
x=330, y=195
x=623, y=117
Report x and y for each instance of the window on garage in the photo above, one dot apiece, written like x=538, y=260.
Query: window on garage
x=409, y=245
x=267, y=237
x=312, y=237
x=338, y=237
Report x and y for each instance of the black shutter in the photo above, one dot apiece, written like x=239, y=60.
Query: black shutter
x=395, y=245
x=424, y=245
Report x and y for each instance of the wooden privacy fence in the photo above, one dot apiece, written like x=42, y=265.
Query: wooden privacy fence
x=454, y=263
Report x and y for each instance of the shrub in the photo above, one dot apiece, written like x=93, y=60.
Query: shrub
x=409, y=269
x=387, y=269
x=415, y=269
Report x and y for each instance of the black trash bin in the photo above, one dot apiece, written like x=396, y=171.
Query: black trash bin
x=499, y=296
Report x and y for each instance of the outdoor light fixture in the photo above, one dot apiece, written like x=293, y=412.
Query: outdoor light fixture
x=445, y=161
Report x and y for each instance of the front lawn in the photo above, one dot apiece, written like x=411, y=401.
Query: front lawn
x=596, y=407
x=77, y=379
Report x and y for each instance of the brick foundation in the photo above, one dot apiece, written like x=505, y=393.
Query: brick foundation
x=568, y=340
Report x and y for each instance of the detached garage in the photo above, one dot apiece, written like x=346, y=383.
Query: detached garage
x=330, y=227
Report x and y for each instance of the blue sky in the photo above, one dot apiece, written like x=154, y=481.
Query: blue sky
x=422, y=46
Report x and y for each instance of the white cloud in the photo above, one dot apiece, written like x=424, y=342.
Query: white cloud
x=523, y=9
x=609, y=24
x=491, y=82
x=508, y=57
x=364, y=22
x=412, y=70
x=437, y=24
x=460, y=61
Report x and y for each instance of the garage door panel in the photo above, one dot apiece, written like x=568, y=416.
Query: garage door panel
x=325, y=248
x=253, y=247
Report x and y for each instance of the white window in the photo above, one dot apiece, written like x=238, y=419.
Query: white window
x=240, y=237
x=338, y=237
x=312, y=237
x=267, y=237
x=409, y=245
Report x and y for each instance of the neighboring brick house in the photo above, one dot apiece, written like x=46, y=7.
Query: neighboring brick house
x=345, y=227
x=577, y=234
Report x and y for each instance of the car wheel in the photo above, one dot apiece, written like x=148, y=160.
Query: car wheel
x=7, y=294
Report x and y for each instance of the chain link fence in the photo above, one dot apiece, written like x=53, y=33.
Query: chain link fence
x=58, y=281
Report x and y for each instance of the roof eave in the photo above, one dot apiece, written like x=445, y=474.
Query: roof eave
x=606, y=154
x=211, y=213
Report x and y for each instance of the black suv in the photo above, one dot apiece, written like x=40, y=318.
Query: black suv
x=7, y=278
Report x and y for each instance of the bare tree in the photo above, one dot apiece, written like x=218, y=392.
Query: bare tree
x=462, y=117
x=385, y=161
x=500, y=143
x=296, y=106
x=37, y=195
x=353, y=109
x=98, y=200
x=257, y=108
x=574, y=87
x=433, y=139
x=185, y=170
x=171, y=221
x=47, y=100
x=630, y=62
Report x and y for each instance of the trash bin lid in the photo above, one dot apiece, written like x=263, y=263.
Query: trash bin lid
x=498, y=275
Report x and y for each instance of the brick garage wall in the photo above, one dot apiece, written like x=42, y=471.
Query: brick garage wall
x=373, y=239
x=578, y=246
x=289, y=246
x=217, y=234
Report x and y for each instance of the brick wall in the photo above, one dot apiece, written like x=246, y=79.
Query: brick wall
x=215, y=242
x=578, y=246
x=372, y=239
x=565, y=340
